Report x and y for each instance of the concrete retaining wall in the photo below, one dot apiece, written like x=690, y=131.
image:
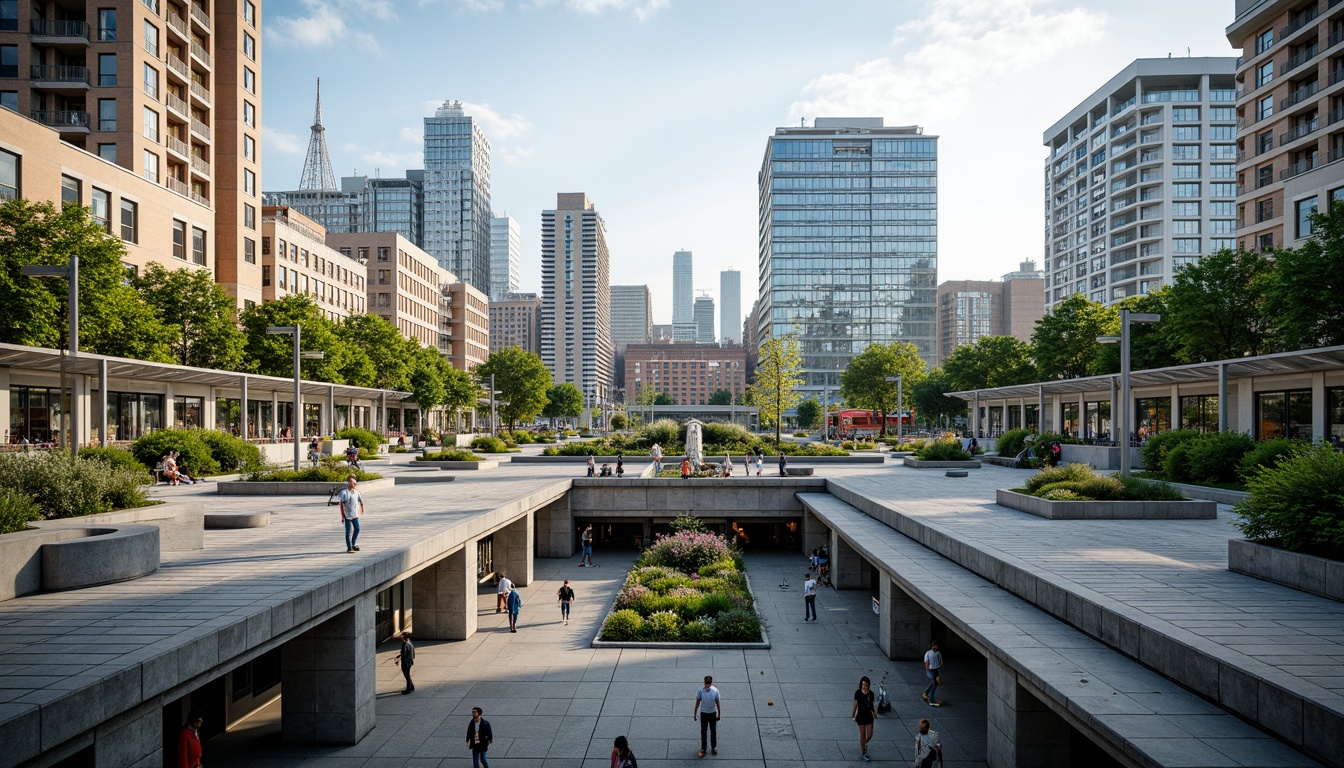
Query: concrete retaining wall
x=468, y=465
x=100, y=556
x=1308, y=573
x=181, y=524
x=1219, y=495
x=911, y=461
x=245, y=488
x=1107, y=510
x=673, y=461
x=714, y=497
x=425, y=477
x=1099, y=456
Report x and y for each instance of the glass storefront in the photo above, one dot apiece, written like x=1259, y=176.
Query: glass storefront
x=1097, y=420
x=1283, y=414
x=1199, y=412
x=1068, y=419
x=1334, y=416
x=1153, y=415
x=131, y=415
x=188, y=412
x=34, y=414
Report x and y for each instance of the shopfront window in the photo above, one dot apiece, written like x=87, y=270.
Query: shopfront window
x=1200, y=412
x=312, y=419
x=1153, y=416
x=342, y=416
x=34, y=415
x=188, y=412
x=1097, y=420
x=228, y=415
x=259, y=421
x=1334, y=399
x=1283, y=414
x=995, y=420
x=1068, y=419
x=131, y=415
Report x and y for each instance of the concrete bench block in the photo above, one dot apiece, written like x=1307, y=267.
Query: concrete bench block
x=957, y=473
x=911, y=461
x=798, y=471
x=100, y=556
x=227, y=520
x=424, y=477
x=245, y=488
x=459, y=465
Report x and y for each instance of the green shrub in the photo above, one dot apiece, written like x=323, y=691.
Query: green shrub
x=1176, y=466
x=328, y=471
x=1012, y=442
x=717, y=603
x=800, y=434
x=701, y=630
x=398, y=449
x=1270, y=453
x=1216, y=457
x=737, y=626
x=624, y=624
x=523, y=437
x=687, y=523
x=451, y=454
x=594, y=447
x=64, y=488
x=1157, y=446
x=687, y=551
x=196, y=457
x=1060, y=474
x=17, y=510
x=1300, y=502
x=665, y=432
x=487, y=444
x=361, y=438
x=1061, y=494
x=811, y=449
x=229, y=452
x=619, y=421
x=943, y=450
x=116, y=457
x=662, y=626
x=1144, y=490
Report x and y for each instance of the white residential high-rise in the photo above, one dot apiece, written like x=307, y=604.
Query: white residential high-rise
x=683, y=297
x=730, y=306
x=457, y=195
x=506, y=253
x=631, y=316
x=704, y=320
x=1141, y=179
x=576, y=296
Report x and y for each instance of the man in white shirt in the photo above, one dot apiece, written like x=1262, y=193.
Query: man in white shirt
x=503, y=595
x=933, y=666
x=708, y=710
x=657, y=453
x=352, y=508
x=810, y=598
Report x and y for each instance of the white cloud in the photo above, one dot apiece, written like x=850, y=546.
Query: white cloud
x=516, y=155
x=327, y=22
x=390, y=163
x=640, y=9
x=412, y=133
x=959, y=47
x=476, y=6
x=497, y=127
x=282, y=142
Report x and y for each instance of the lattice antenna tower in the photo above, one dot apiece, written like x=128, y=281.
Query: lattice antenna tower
x=317, y=173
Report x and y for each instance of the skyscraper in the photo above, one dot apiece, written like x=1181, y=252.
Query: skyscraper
x=576, y=295
x=849, y=243
x=1141, y=179
x=457, y=194
x=730, y=306
x=506, y=253
x=683, y=296
x=969, y=310
x=631, y=316
x=704, y=320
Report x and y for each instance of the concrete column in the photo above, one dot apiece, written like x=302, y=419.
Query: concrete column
x=815, y=533
x=904, y=627
x=242, y=399
x=1115, y=415
x=975, y=415
x=169, y=406
x=329, y=681
x=1022, y=409
x=1082, y=414
x=1175, y=406
x=443, y=597
x=1040, y=411
x=554, y=530
x=331, y=410
x=1021, y=730
x=513, y=550
x=846, y=564
x=275, y=415
x=102, y=404
x=1318, y=406
x=1222, y=397
x=1245, y=421
x=134, y=738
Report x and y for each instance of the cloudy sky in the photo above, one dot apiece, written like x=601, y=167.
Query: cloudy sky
x=660, y=109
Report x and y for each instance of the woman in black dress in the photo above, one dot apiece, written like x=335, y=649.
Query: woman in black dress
x=863, y=714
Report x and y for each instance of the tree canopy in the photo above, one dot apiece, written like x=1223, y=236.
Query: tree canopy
x=809, y=413
x=864, y=381
x=721, y=397
x=777, y=379
x=563, y=401
x=1215, y=308
x=522, y=380
x=200, y=312
x=931, y=402
x=992, y=361
x=1304, y=294
x=1065, y=340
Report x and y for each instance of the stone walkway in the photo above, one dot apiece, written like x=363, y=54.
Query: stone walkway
x=556, y=702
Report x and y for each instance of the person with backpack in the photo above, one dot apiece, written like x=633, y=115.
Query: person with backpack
x=928, y=747
x=862, y=713
x=621, y=756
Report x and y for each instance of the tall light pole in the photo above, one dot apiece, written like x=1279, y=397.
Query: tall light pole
x=1123, y=418
x=900, y=405
x=70, y=273
x=296, y=332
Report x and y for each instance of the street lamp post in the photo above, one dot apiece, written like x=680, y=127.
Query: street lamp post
x=1123, y=418
x=900, y=405
x=70, y=273
x=296, y=332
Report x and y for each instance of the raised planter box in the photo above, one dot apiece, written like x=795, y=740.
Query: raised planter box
x=467, y=465
x=1003, y=461
x=1107, y=510
x=1219, y=495
x=798, y=471
x=1307, y=573
x=246, y=488
x=911, y=461
x=762, y=645
x=216, y=521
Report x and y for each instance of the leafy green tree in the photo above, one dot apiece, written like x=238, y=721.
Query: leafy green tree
x=992, y=361
x=390, y=355
x=460, y=389
x=809, y=413
x=931, y=400
x=274, y=355
x=650, y=396
x=1305, y=293
x=721, y=397
x=1152, y=345
x=200, y=312
x=1065, y=340
x=123, y=325
x=619, y=420
x=521, y=378
x=864, y=381
x=563, y=401
x=1215, y=307
x=426, y=385
x=777, y=380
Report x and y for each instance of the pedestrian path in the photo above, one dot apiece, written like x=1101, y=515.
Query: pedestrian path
x=556, y=702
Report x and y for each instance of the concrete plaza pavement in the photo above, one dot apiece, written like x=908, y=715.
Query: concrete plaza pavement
x=556, y=702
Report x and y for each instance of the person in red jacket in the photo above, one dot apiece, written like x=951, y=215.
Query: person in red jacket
x=189, y=741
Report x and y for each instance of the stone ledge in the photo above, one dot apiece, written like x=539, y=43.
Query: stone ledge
x=1218, y=495
x=247, y=488
x=459, y=465
x=798, y=471
x=234, y=520
x=1307, y=573
x=1107, y=510
x=100, y=556
x=181, y=526
x=911, y=461
x=673, y=461
x=425, y=477
x=1003, y=461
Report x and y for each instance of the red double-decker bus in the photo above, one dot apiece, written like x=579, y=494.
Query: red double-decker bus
x=849, y=424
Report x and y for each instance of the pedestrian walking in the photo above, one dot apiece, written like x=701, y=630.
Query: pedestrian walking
x=621, y=756
x=863, y=715
x=586, y=540
x=760, y=462
x=685, y=469
x=407, y=660
x=352, y=509
x=189, y=741
x=620, y=465
x=515, y=602
x=783, y=464
x=592, y=466
x=928, y=747
x=479, y=737
x=933, y=668
x=708, y=710
x=502, y=592
x=657, y=453
x=566, y=596
x=810, y=598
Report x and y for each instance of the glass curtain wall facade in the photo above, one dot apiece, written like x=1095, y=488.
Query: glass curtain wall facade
x=848, y=241
x=457, y=195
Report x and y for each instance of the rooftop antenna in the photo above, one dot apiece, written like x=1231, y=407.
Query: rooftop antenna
x=802, y=122
x=317, y=173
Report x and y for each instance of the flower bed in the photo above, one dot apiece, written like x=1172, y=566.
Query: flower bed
x=1079, y=482
x=688, y=587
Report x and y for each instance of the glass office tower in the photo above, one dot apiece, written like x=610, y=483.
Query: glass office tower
x=848, y=241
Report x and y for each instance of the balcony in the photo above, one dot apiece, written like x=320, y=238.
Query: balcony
x=1299, y=168
x=199, y=16
x=63, y=120
x=200, y=167
x=1300, y=95
x=1336, y=37
x=1302, y=57
x=1337, y=76
x=200, y=129
x=199, y=53
x=178, y=67
x=57, y=31
x=177, y=186
x=200, y=93
x=1336, y=153
x=1300, y=21
x=176, y=105
x=178, y=25
x=52, y=77
x=200, y=198
x=1299, y=131
x=1335, y=116
x=177, y=147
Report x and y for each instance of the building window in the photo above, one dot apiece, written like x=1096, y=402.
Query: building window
x=108, y=152
x=9, y=175
x=249, y=80
x=249, y=115
x=249, y=182
x=1185, y=190
x=1263, y=41
x=151, y=166
x=382, y=254
x=107, y=69
x=249, y=47
x=1185, y=114
x=1264, y=210
x=1264, y=74
x=1265, y=242
x=1264, y=108
x=1283, y=414
x=10, y=100
x=100, y=209
x=107, y=114
x=1187, y=171
x=249, y=216
x=70, y=192
x=249, y=250
x=249, y=13
x=1185, y=133
x=151, y=39
x=1305, y=208
x=107, y=22
x=9, y=61
x=151, y=124
x=266, y=275
x=151, y=82
x=179, y=240
x=198, y=245
x=130, y=214
x=249, y=148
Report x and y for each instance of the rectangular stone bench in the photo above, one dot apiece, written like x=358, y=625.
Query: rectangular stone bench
x=1042, y=673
